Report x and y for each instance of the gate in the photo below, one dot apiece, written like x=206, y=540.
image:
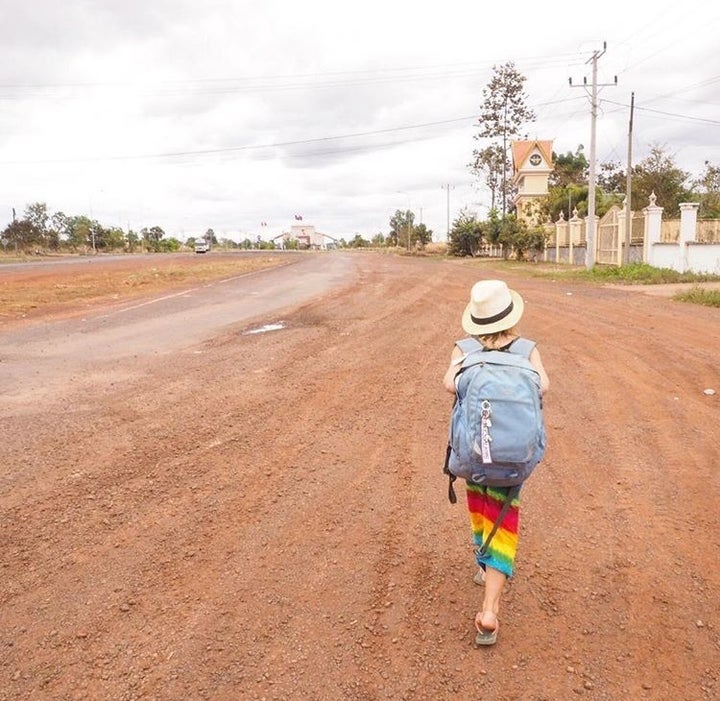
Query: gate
x=606, y=249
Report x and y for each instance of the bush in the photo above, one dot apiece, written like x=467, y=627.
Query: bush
x=640, y=274
x=700, y=295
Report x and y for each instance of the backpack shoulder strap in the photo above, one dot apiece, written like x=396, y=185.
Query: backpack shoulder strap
x=522, y=346
x=469, y=344
x=471, y=349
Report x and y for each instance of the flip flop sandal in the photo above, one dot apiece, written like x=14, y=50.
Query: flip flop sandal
x=486, y=637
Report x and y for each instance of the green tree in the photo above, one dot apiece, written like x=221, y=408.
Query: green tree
x=566, y=200
x=708, y=187
x=113, y=238
x=506, y=232
x=152, y=237
x=422, y=235
x=503, y=113
x=20, y=234
x=509, y=229
x=98, y=236
x=378, y=240
x=466, y=235
x=658, y=173
x=133, y=240
x=78, y=231
x=401, y=228
x=358, y=242
x=527, y=241
x=57, y=230
x=170, y=245
x=490, y=165
x=611, y=178
x=569, y=169
x=567, y=186
x=37, y=215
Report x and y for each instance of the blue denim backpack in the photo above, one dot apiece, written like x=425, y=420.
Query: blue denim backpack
x=497, y=430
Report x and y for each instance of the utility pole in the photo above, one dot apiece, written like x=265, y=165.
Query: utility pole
x=628, y=185
x=447, y=187
x=590, y=233
x=504, y=172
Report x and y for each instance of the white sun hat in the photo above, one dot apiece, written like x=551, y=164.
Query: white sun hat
x=493, y=307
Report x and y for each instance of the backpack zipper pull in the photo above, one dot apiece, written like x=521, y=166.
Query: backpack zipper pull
x=485, y=437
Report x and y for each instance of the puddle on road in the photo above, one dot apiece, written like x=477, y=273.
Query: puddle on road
x=265, y=328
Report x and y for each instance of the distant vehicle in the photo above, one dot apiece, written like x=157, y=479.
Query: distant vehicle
x=202, y=246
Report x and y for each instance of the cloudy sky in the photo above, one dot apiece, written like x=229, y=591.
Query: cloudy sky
x=227, y=114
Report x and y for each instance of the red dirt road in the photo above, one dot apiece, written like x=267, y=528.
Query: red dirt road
x=264, y=516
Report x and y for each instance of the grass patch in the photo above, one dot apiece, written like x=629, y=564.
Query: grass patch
x=635, y=274
x=699, y=295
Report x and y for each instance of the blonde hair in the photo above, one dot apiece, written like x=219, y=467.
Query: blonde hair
x=493, y=340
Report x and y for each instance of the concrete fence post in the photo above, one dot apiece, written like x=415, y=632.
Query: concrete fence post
x=688, y=232
x=653, y=228
x=575, y=235
x=620, y=230
x=595, y=243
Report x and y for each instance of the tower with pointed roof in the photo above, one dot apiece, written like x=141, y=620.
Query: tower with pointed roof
x=532, y=165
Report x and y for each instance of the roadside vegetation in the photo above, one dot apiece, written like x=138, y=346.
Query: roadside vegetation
x=637, y=274
x=31, y=292
x=644, y=274
x=700, y=295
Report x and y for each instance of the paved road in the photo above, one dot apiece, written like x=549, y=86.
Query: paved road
x=46, y=356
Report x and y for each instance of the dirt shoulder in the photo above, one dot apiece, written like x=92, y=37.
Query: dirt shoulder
x=668, y=290
x=62, y=287
x=263, y=516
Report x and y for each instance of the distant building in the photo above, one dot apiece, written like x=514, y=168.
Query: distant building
x=307, y=237
x=532, y=165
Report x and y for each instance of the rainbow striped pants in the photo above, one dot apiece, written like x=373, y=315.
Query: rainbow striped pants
x=484, y=504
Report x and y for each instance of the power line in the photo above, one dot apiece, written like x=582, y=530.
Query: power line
x=703, y=120
x=257, y=147
x=252, y=147
x=447, y=68
x=250, y=84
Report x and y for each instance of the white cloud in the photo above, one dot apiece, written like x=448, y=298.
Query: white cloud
x=225, y=114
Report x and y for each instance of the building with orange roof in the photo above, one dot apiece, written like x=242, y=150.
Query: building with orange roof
x=532, y=164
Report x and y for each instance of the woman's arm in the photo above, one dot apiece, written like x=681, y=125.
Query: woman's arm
x=537, y=364
x=449, y=378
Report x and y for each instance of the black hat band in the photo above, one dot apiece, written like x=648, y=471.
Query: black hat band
x=492, y=319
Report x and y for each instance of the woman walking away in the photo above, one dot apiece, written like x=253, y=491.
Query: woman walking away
x=490, y=320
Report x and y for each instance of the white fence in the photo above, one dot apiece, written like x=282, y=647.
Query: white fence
x=685, y=246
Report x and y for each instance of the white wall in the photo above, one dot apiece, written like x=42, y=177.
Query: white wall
x=704, y=258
